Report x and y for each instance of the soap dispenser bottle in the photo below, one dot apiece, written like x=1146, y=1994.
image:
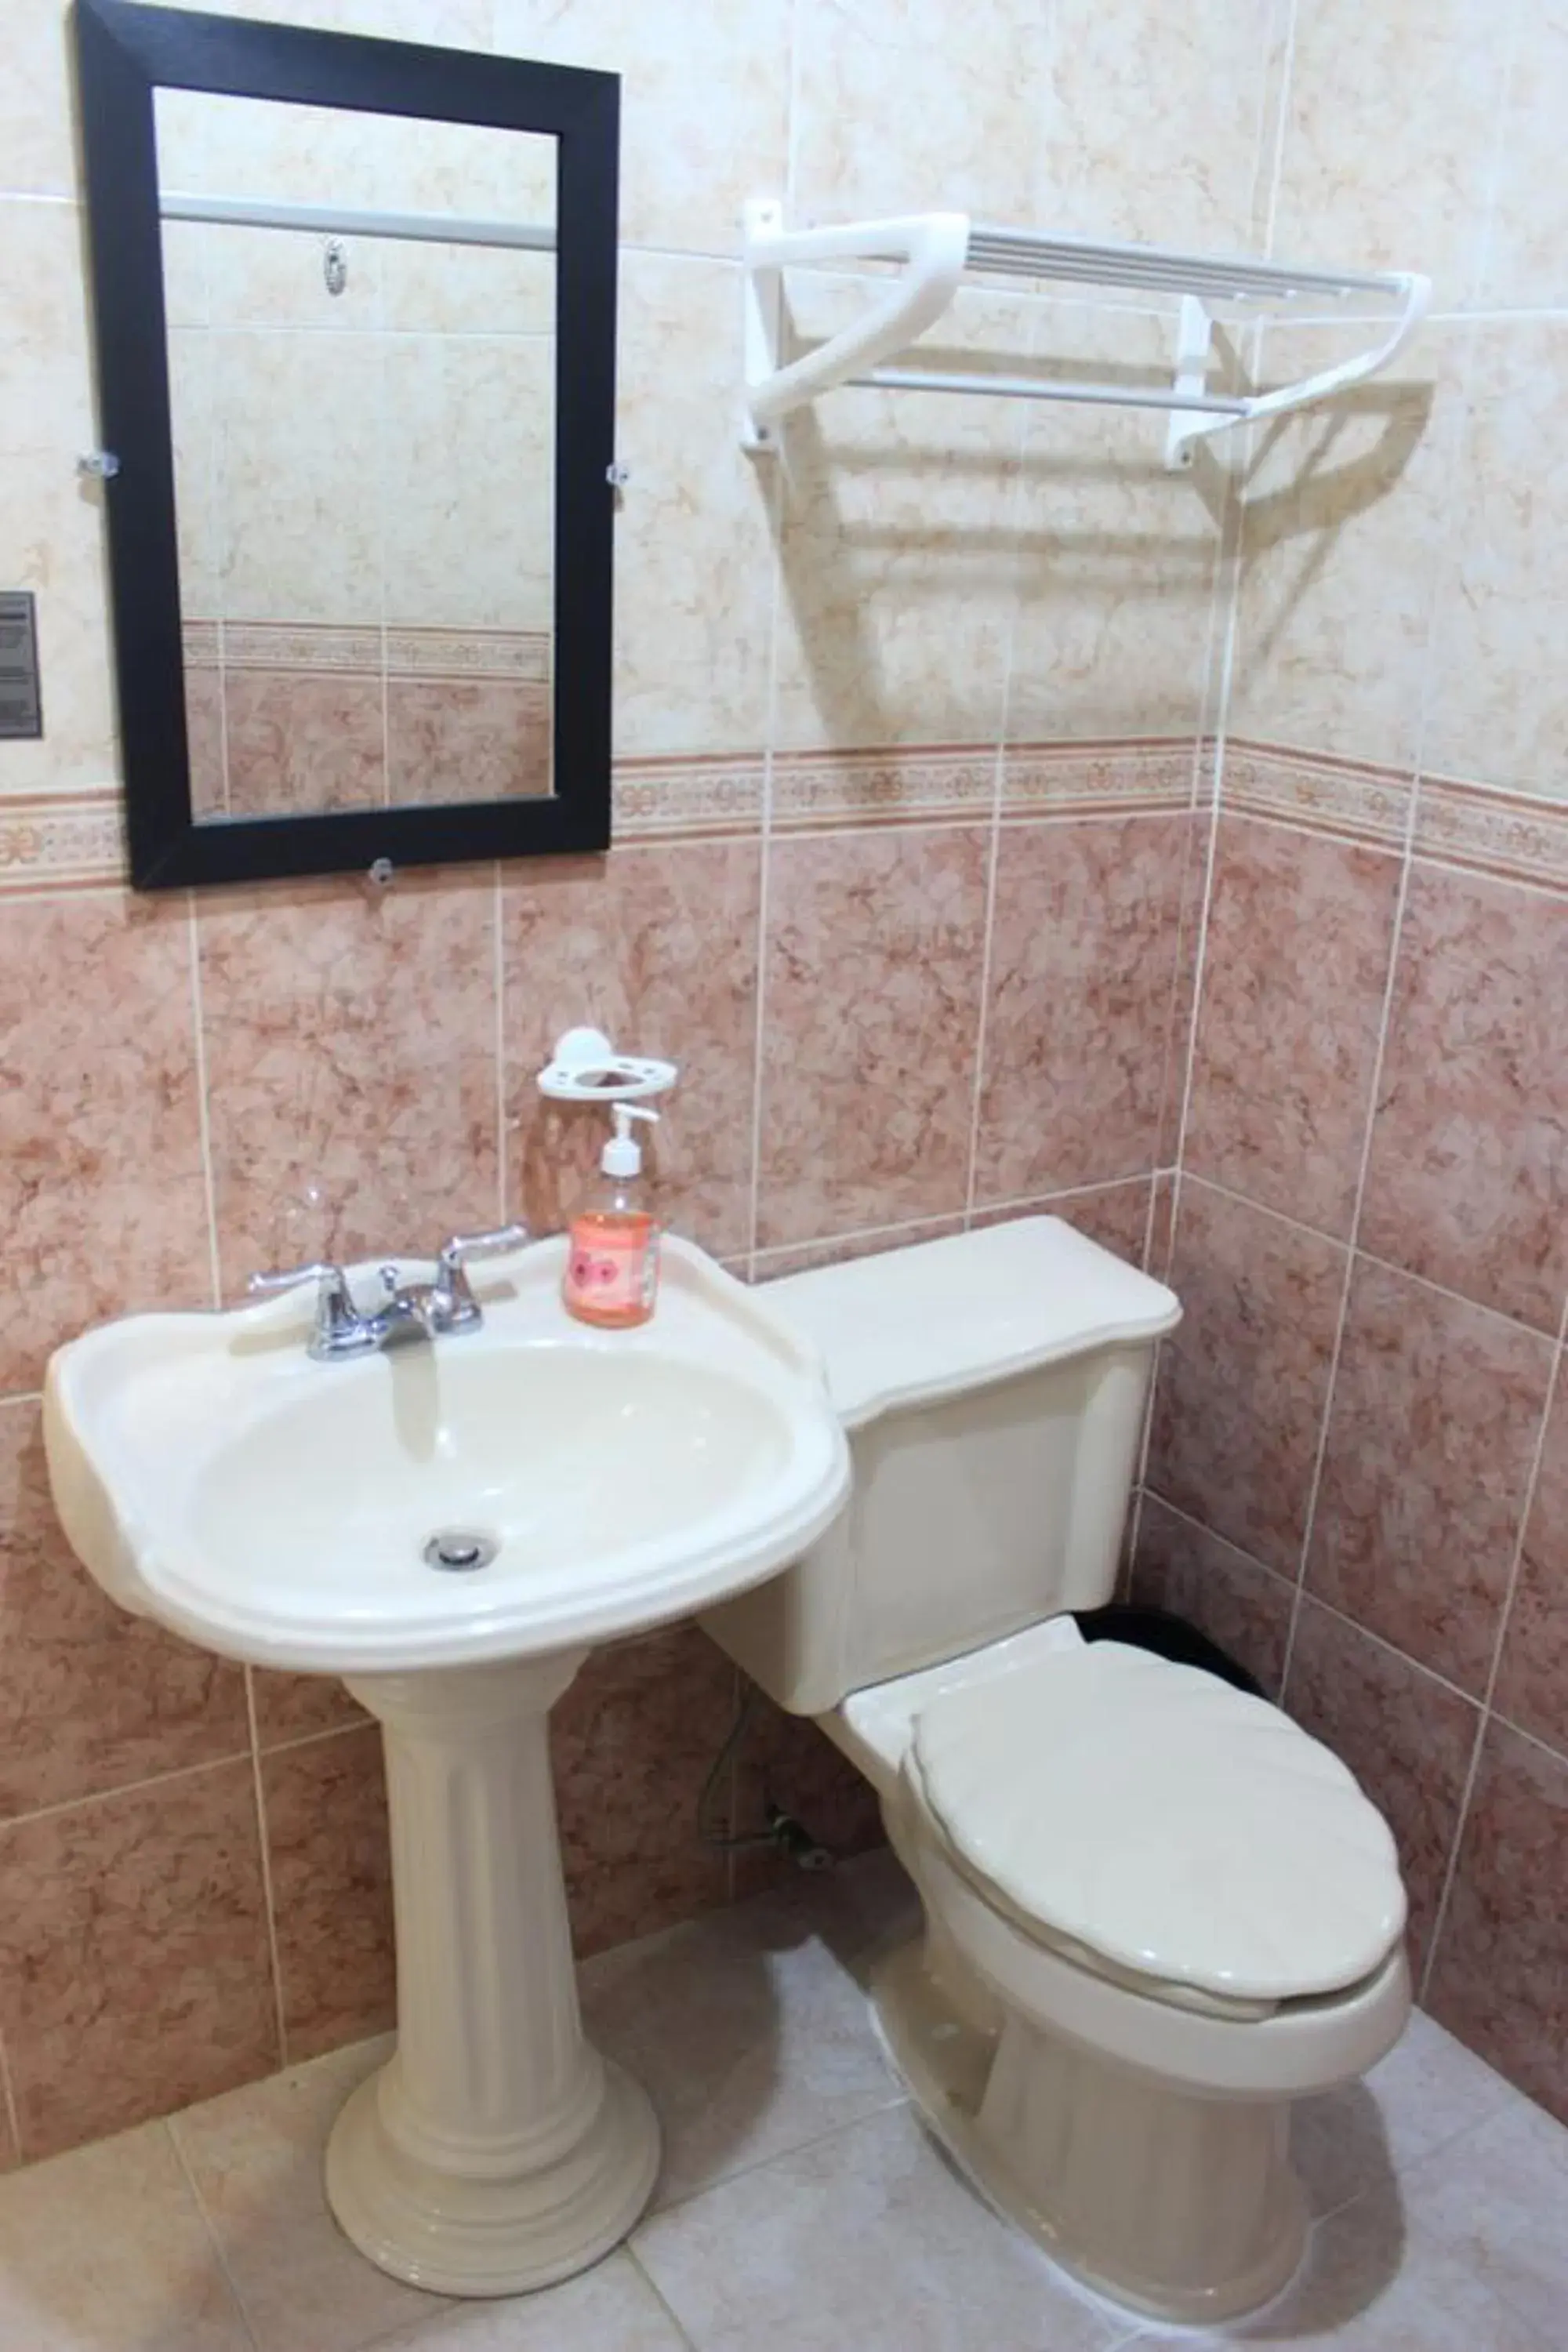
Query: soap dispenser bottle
x=612, y=1260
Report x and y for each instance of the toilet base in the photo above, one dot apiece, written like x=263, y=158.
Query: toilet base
x=1182, y=2207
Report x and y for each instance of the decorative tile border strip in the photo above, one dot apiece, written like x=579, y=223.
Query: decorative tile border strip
x=1132, y=778
x=1317, y=794
x=695, y=798
x=1505, y=834
x=892, y=785
x=60, y=841
x=521, y=654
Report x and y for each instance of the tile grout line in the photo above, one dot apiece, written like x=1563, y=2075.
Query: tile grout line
x=1489, y=1713
x=8, y=2100
x=259, y=1795
x=629, y=2250
x=764, y=894
x=1020, y=443
x=209, y=2228
x=497, y=977
x=203, y=1114
x=127, y=1789
x=1380, y=1055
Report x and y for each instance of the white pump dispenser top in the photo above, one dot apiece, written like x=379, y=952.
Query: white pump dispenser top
x=622, y=1156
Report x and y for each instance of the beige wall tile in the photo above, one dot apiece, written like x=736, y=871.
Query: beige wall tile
x=895, y=114
x=50, y=523
x=1527, y=250
x=1499, y=707
x=299, y=453
x=466, y=469
x=1347, y=510
x=704, y=99
x=37, y=148
x=693, y=555
x=1115, y=556
x=1388, y=140
x=192, y=414
x=1154, y=123
x=899, y=543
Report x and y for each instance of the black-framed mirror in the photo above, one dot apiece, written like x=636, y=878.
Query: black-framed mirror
x=354, y=313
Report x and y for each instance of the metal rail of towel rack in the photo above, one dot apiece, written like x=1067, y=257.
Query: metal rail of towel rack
x=939, y=249
x=429, y=229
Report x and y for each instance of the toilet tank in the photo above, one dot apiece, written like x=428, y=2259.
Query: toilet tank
x=991, y=1386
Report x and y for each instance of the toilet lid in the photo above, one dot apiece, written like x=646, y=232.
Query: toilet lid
x=1165, y=1821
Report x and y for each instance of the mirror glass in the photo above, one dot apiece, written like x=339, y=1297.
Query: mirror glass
x=364, y=420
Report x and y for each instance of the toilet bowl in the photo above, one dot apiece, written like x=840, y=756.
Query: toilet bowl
x=1155, y=1911
x=1109, y=2039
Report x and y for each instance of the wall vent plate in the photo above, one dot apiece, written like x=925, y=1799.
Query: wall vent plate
x=21, y=702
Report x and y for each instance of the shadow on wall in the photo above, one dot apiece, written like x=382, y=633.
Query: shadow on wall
x=955, y=567
x=1337, y=474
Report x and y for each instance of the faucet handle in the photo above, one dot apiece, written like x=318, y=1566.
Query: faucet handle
x=455, y=1253
x=330, y=1277
x=458, y=1306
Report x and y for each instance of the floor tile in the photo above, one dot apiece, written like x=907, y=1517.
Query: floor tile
x=1428, y=2091
x=256, y=2158
x=609, y=2309
x=104, y=2251
x=1498, y=2198
x=1372, y=2283
x=747, y=2031
x=868, y=2240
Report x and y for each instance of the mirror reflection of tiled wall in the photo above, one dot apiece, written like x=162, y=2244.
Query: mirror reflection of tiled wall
x=364, y=464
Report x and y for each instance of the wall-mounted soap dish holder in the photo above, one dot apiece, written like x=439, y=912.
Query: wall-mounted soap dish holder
x=587, y=1068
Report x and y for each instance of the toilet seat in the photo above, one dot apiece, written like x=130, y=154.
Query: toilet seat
x=1156, y=1824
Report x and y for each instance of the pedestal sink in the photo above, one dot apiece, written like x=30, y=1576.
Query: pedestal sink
x=451, y=1527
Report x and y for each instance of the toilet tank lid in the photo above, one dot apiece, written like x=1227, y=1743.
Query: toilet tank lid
x=917, y=1324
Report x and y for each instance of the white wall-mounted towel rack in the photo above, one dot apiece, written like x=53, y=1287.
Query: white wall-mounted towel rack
x=939, y=249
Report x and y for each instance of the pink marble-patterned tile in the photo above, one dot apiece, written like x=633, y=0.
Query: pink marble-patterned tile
x=632, y=1742
x=102, y=1203
x=1115, y=1215
x=1499, y=1980
x=1243, y=1607
x=1407, y=1738
x=1078, y=1025
x=657, y=946
x=1294, y=973
x=134, y=1971
x=467, y=740
x=203, y=739
x=90, y=1698
x=873, y=963
x=1468, y=1177
x=300, y=743
x=1244, y=1380
x=1533, y=1681
x=325, y=1807
x=297, y=1706
x=350, y=1048
x=1432, y=1431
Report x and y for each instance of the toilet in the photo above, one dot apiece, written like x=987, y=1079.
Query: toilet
x=1156, y=1911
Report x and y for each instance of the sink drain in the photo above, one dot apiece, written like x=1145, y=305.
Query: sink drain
x=460, y=1548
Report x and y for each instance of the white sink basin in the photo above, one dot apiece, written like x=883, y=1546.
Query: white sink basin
x=212, y=1476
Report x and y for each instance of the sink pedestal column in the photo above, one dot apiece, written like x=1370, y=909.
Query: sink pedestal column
x=496, y=2151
